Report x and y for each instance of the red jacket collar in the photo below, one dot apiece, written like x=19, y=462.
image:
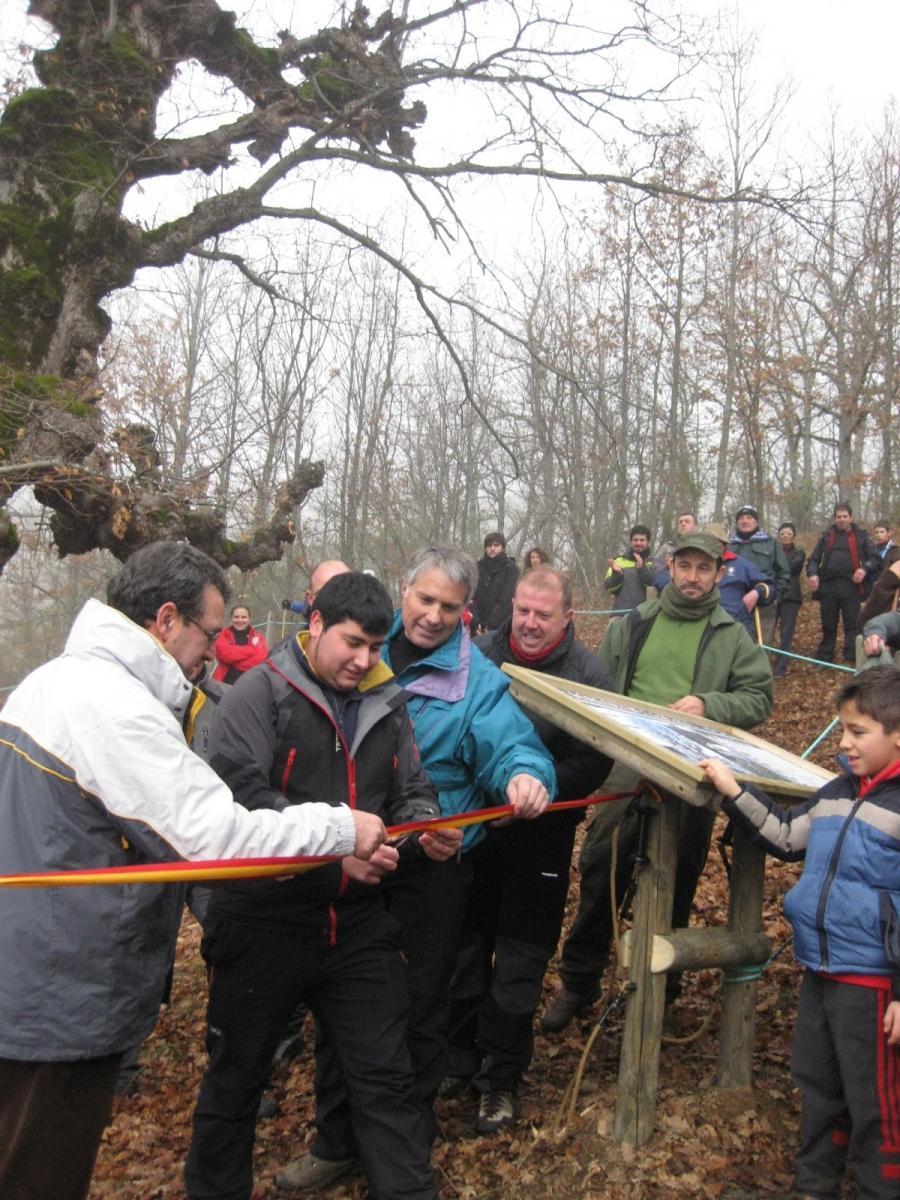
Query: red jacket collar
x=891, y=771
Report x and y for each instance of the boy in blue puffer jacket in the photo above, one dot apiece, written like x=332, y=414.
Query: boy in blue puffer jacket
x=845, y=912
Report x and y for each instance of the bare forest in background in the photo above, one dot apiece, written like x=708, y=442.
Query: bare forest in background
x=661, y=352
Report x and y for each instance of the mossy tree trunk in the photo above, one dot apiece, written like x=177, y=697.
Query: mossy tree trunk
x=70, y=150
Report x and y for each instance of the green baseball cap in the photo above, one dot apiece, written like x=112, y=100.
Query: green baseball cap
x=704, y=542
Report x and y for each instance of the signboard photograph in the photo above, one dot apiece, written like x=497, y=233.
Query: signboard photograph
x=661, y=744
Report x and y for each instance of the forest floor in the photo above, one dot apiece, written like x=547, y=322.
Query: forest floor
x=736, y=1145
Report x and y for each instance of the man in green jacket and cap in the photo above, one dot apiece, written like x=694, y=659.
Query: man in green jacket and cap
x=682, y=650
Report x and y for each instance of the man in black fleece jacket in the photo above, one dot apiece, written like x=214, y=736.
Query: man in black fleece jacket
x=837, y=570
x=497, y=577
x=322, y=719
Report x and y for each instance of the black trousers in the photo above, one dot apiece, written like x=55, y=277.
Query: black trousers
x=428, y=902
x=586, y=949
x=849, y=1080
x=788, y=611
x=513, y=922
x=52, y=1116
x=838, y=598
x=357, y=992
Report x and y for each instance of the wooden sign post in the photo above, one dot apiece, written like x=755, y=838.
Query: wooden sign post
x=639, y=1056
x=664, y=748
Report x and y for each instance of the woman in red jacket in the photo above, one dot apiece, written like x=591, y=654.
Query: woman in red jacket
x=238, y=647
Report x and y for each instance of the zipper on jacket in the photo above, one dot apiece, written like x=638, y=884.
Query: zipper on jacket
x=288, y=767
x=341, y=745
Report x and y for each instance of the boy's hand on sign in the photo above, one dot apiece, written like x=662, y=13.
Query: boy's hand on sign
x=692, y=705
x=720, y=777
x=873, y=645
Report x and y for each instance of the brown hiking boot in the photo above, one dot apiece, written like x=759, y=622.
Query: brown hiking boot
x=562, y=1008
x=312, y=1174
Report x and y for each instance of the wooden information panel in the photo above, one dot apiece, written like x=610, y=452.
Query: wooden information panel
x=662, y=745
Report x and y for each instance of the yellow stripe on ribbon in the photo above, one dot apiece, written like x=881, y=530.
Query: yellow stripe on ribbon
x=265, y=868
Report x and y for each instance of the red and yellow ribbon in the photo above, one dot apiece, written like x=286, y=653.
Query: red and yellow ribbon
x=264, y=868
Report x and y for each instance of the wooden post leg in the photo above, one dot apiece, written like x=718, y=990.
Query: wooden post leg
x=739, y=998
x=639, y=1061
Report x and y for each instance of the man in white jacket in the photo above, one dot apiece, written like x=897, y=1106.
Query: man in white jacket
x=95, y=772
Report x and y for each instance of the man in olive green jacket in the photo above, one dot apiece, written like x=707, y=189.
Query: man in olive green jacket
x=684, y=651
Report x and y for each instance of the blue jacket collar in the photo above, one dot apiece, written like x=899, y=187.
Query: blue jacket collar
x=444, y=674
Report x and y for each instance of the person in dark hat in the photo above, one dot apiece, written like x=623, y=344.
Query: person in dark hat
x=749, y=541
x=497, y=579
x=742, y=588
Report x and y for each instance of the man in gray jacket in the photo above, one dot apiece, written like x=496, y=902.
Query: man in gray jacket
x=95, y=773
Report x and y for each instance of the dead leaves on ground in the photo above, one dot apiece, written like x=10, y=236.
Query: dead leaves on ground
x=734, y=1145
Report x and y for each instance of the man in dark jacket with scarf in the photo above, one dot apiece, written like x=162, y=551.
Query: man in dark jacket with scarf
x=837, y=570
x=322, y=719
x=684, y=651
x=497, y=577
x=521, y=871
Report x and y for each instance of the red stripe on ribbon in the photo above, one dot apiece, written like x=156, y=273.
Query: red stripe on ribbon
x=180, y=871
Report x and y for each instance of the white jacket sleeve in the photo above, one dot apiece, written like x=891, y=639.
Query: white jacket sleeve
x=168, y=801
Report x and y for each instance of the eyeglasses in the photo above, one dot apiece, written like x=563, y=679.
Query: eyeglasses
x=210, y=637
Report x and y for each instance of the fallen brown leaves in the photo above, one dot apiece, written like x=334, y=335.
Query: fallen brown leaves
x=734, y=1145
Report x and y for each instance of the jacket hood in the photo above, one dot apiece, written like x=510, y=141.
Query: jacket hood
x=102, y=632
x=290, y=658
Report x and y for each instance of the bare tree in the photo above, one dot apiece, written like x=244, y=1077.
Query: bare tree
x=749, y=132
x=74, y=148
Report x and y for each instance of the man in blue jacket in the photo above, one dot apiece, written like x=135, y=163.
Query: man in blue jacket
x=479, y=749
x=742, y=587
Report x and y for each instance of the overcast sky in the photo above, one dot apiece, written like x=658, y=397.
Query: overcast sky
x=847, y=48
x=839, y=53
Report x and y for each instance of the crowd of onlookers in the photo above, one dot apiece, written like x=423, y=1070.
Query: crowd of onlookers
x=852, y=573
x=164, y=733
